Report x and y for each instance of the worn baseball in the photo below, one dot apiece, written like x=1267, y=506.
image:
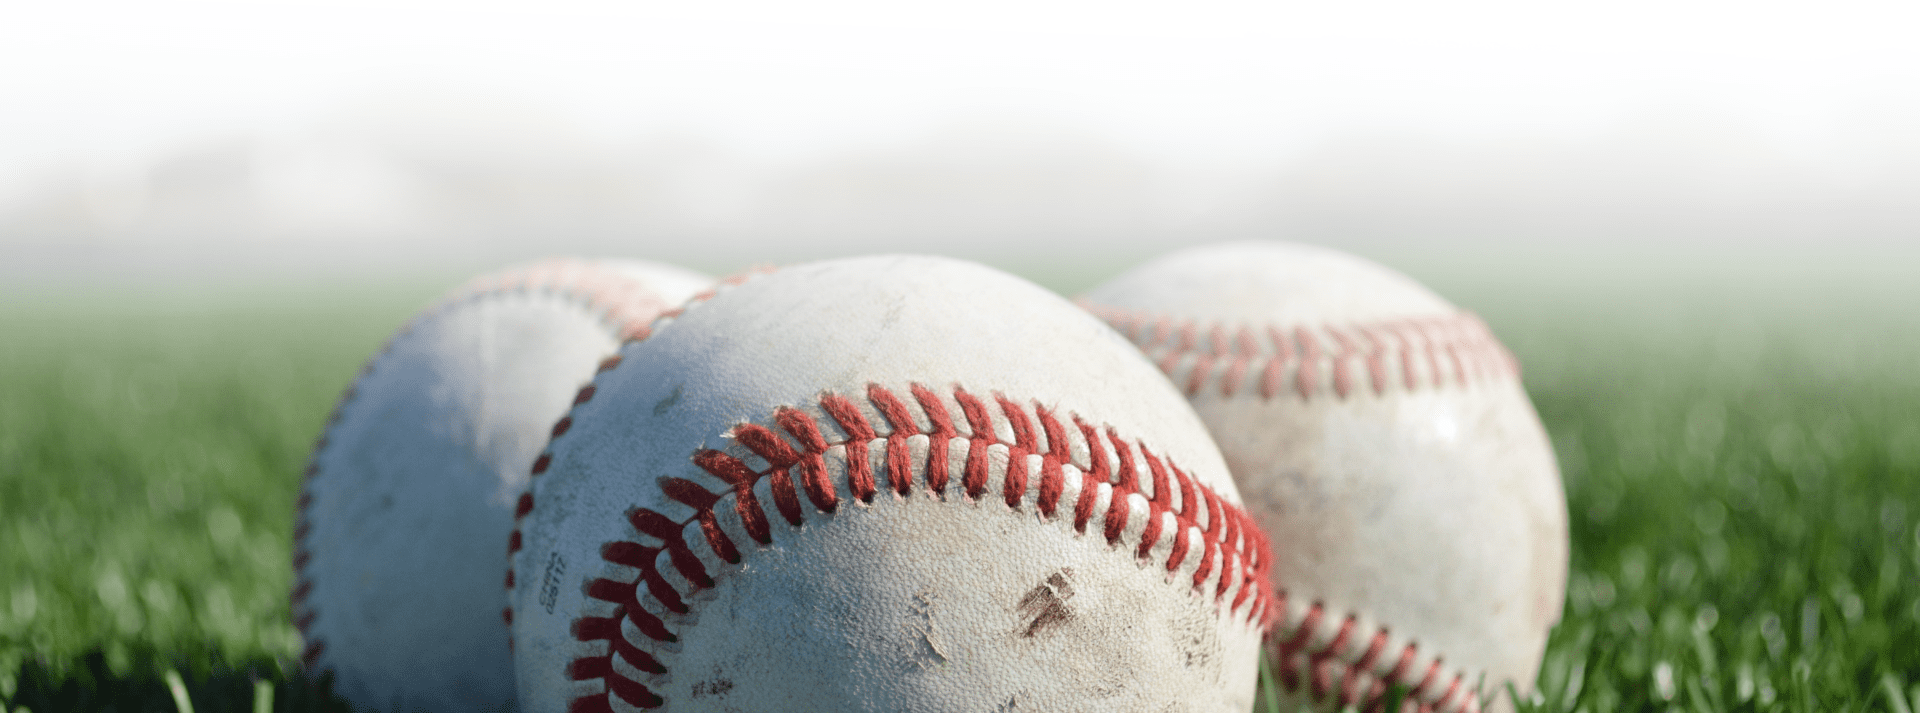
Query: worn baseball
x=884, y=484
x=411, y=487
x=1382, y=438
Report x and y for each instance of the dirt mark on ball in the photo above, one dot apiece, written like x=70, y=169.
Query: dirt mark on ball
x=1045, y=606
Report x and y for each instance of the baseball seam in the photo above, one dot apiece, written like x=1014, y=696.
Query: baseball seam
x=524, y=503
x=1333, y=660
x=1323, y=654
x=1315, y=360
x=625, y=306
x=1130, y=499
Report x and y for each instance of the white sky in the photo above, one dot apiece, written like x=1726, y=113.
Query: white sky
x=215, y=133
x=107, y=82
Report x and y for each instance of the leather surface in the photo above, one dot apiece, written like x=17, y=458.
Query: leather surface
x=923, y=602
x=1414, y=502
x=413, y=489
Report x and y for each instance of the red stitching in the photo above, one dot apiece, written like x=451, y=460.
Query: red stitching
x=1301, y=666
x=1290, y=647
x=898, y=452
x=641, y=324
x=1308, y=379
x=1350, y=682
x=1342, y=362
x=1222, y=532
x=1318, y=662
x=1317, y=359
x=1375, y=357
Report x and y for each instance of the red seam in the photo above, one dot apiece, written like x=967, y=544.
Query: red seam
x=1017, y=422
x=1271, y=377
x=899, y=451
x=1349, y=683
x=642, y=558
x=1024, y=444
x=1221, y=536
x=1202, y=364
x=1462, y=340
x=615, y=290
x=1318, y=662
x=1015, y=486
x=1342, y=361
x=1400, y=331
x=938, y=440
x=1052, y=479
x=1430, y=347
x=859, y=434
x=1189, y=496
x=1282, y=355
x=1244, y=574
x=1119, y=505
x=974, y=480
x=1161, y=490
x=1206, y=562
x=765, y=444
x=1375, y=357
x=1307, y=380
x=1317, y=679
x=1291, y=646
x=1127, y=477
x=1150, y=535
x=1236, y=371
x=1453, y=352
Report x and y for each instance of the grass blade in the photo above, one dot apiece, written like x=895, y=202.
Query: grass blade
x=179, y=689
x=1271, y=695
x=1897, y=700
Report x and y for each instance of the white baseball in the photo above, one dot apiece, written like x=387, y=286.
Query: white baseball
x=1382, y=438
x=412, y=485
x=885, y=484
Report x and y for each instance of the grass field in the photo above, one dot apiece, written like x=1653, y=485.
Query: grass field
x=1743, y=469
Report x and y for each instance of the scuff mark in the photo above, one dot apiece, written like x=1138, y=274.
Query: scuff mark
x=661, y=408
x=715, y=687
x=925, y=650
x=1045, y=606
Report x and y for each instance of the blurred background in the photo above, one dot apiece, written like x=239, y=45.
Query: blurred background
x=194, y=140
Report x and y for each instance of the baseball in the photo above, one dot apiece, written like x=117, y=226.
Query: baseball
x=411, y=487
x=1382, y=438
x=884, y=484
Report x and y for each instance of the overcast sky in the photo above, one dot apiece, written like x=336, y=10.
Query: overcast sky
x=1003, y=119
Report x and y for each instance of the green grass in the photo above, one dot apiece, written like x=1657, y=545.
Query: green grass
x=148, y=465
x=1743, y=475
x=1743, y=471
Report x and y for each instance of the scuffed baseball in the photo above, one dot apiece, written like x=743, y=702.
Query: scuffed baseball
x=884, y=484
x=1383, y=439
x=412, y=485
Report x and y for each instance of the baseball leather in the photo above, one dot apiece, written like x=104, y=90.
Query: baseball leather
x=1383, y=439
x=411, y=488
x=884, y=484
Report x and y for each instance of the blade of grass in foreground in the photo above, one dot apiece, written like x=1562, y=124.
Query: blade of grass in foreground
x=1896, y=700
x=1269, y=692
x=179, y=690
